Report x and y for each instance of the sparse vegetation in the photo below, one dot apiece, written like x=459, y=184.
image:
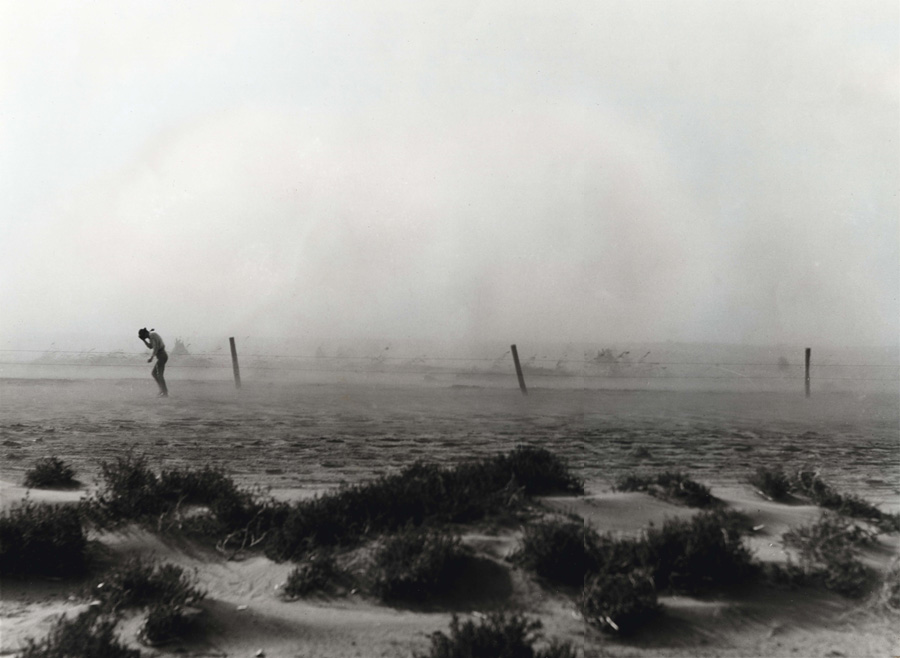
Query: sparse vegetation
x=140, y=583
x=317, y=573
x=50, y=473
x=778, y=485
x=496, y=636
x=773, y=483
x=41, y=539
x=88, y=635
x=164, y=622
x=417, y=564
x=669, y=485
x=619, y=602
x=556, y=550
x=829, y=553
x=420, y=493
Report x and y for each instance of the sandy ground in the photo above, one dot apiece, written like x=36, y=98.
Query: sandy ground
x=301, y=440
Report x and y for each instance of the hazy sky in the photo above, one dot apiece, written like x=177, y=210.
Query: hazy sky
x=573, y=171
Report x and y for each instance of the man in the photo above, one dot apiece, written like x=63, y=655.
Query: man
x=155, y=342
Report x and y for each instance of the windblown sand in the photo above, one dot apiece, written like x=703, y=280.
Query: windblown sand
x=303, y=440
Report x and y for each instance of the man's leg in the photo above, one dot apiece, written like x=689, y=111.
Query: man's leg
x=161, y=367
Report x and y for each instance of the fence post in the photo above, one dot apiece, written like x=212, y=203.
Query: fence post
x=808, y=351
x=234, y=363
x=515, y=354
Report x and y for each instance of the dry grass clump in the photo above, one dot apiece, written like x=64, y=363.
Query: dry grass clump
x=498, y=635
x=319, y=572
x=829, y=553
x=164, y=590
x=778, y=485
x=41, y=539
x=622, y=577
x=419, y=494
x=417, y=564
x=671, y=486
x=50, y=473
x=89, y=635
x=556, y=550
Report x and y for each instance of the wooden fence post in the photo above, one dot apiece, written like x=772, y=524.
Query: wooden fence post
x=519, y=374
x=234, y=363
x=808, y=351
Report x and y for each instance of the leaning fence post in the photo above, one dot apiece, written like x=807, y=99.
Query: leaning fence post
x=234, y=363
x=808, y=351
x=519, y=374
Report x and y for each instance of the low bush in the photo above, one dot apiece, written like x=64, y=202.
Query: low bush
x=773, y=483
x=699, y=553
x=417, y=564
x=318, y=573
x=50, y=473
x=164, y=623
x=89, y=635
x=418, y=494
x=41, y=539
x=812, y=486
x=556, y=550
x=131, y=492
x=829, y=553
x=497, y=636
x=889, y=596
x=619, y=602
x=671, y=486
x=140, y=584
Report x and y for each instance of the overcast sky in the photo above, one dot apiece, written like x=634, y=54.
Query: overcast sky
x=470, y=170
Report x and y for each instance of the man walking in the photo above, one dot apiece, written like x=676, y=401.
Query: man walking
x=155, y=342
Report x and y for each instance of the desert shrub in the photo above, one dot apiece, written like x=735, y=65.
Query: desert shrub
x=50, y=473
x=89, y=635
x=130, y=491
x=812, y=486
x=418, y=494
x=557, y=550
x=318, y=573
x=829, y=553
x=704, y=551
x=497, y=636
x=37, y=538
x=671, y=486
x=139, y=584
x=164, y=622
x=889, y=596
x=772, y=482
x=619, y=602
x=416, y=564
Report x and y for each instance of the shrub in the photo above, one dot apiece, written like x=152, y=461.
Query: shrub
x=37, y=538
x=89, y=635
x=889, y=596
x=811, y=485
x=50, y=473
x=497, y=636
x=318, y=573
x=416, y=564
x=164, y=623
x=773, y=483
x=703, y=551
x=131, y=492
x=829, y=553
x=619, y=602
x=556, y=550
x=418, y=494
x=671, y=486
x=139, y=583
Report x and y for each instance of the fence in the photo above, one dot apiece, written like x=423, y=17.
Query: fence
x=603, y=368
